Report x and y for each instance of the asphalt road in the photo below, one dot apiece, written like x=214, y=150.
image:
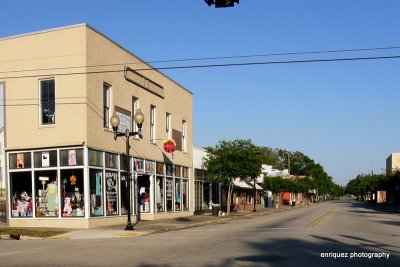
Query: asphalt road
x=338, y=233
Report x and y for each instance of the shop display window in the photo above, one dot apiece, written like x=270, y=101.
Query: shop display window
x=160, y=168
x=124, y=193
x=144, y=193
x=20, y=161
x=72, y=193
x=21, y=194
x=178, y=171
x=111, y=183
x=96, y=192
x=95, y=158
x=178, y=196
x=170, y=169
x=185, y=194
x=123, y=164
x=159, y=193
x=46, y=192
x=198, y=194
x=45, y=159
x=111, y=161
x=138, y=165
x=150, y=166
x=71, y=157
x=185, y=172
x=169, y=191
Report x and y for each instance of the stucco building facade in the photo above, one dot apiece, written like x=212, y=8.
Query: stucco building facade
x=64, y=168
x=393, y=163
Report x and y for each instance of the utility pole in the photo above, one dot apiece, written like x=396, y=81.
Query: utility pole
x=372, y=170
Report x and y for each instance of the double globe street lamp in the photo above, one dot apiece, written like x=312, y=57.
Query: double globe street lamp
x=115, y=122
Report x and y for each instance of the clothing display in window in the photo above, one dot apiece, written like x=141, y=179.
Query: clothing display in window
x=72, y=192
x=158, y=192
x=177, y=193
x=52, y=198
x=96, y=193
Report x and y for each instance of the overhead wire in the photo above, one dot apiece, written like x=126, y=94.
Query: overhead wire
x=209, y=66
x=195, y=59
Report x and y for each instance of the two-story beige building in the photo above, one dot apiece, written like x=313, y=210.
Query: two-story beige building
x=64, y=168
x=393, y=163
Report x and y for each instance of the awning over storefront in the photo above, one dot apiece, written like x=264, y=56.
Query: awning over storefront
x=244, y=184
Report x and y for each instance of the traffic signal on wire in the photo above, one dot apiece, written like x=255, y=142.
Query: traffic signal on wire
x=222, y=3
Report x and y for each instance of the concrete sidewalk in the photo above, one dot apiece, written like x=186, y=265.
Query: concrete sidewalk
x=159, y=226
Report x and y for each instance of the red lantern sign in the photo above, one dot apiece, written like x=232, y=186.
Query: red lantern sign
x=169, y=146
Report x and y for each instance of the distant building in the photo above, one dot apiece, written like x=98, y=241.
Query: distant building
x=207, y=191
x=2, y=162
x=269, y=171
x=393, y=163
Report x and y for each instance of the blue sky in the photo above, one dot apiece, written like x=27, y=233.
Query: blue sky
x=344, y=115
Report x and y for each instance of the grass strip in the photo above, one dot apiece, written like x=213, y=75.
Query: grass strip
x=29, y=232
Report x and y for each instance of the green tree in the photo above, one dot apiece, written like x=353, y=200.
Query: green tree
x=364, y=184
x=276, y=185
x=233, y=159
x=272, y=157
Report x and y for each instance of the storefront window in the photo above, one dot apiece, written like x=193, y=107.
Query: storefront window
x=45, y=159
x=170, y=170
x=185, y=172
x=160, y=168
x=178, y=196
x=123, y=162
x=138, y=165
x=144, y=192
x=124, y=193
x=150, y=167
x=169, y=191
x=111, y=161
x=178, y=171
x=185, y=194
x=72, y=193
x=96, y=192
x=198, y=187
x=71, y=157
x=111, y=183
x=95, y=158
x=20, y=161
x=21, y=190
x=47, y=197
x=160, y=193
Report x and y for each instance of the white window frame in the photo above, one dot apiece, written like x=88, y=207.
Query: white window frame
x=40, y=103
x=184, y=132
x=152, y=123
x=168, y=126
x=107, y=115
x=135, y=107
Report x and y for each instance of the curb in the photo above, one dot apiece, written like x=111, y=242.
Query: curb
x=19, y=237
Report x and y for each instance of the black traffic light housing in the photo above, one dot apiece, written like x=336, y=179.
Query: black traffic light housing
x=222, y=3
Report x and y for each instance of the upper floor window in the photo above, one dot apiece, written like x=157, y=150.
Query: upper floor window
x=135, y=107
x=168, y=125
x=47, y=102
x=152, y=123
x=106, y=105
x=184, y=137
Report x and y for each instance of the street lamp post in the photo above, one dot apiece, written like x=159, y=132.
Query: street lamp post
x=115, y=121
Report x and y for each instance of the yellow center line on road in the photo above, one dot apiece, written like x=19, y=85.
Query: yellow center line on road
x=320, y=218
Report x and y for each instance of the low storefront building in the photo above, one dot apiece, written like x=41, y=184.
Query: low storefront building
x=64, y=167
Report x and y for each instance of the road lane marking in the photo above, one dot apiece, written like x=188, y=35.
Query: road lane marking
x=320, y=218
